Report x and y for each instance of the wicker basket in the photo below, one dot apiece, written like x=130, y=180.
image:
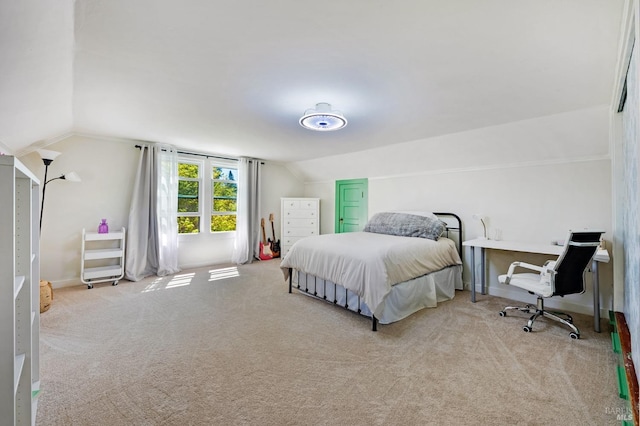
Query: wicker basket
x=46, y=295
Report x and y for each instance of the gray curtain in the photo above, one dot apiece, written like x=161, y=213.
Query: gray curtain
x=152, y=242
x=247, y=243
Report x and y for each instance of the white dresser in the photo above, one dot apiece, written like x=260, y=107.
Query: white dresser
x=300, y=218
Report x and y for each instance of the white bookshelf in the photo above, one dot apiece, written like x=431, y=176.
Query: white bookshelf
x=19, y=293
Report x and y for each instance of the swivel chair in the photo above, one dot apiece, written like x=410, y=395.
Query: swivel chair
x=555, y=278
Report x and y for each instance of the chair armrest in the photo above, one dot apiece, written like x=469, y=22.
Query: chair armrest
x=515, y=265
x=526, y=266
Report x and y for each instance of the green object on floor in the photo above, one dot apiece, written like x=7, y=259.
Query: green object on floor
x=622, y=383
x=615, y=341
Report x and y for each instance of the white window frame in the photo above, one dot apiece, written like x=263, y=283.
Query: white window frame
x=227, y=164
x=200, y=213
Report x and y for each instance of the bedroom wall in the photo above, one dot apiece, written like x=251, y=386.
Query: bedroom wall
x=625, y=153
x=533, y=180
x=108, y=168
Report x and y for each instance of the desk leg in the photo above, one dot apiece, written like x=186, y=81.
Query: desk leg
x=596, y=296
x=473, y=274
x=483, y=278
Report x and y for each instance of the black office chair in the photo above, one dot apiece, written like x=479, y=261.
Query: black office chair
x=555, y=278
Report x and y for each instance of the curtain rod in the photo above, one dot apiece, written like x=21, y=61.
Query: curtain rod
x=202, y=155
x=199, y=154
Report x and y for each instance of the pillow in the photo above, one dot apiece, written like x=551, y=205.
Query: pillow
x=419, y=213
x=405, y=225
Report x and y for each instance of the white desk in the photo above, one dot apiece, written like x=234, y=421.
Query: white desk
x=480, y=244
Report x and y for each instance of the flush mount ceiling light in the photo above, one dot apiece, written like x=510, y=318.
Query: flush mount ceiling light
x=322, y=118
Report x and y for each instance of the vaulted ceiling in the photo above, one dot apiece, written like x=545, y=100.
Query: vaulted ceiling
x=233, y=77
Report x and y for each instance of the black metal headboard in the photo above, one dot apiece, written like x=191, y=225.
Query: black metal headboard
x=454, y=225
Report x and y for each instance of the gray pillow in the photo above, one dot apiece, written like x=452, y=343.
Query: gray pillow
x=405, y=225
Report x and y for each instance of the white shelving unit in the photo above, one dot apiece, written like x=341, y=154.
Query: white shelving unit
x=102, y=257
x=19, y=293
x=300, y=218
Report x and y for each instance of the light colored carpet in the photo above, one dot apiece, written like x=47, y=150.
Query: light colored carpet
x=229, y=346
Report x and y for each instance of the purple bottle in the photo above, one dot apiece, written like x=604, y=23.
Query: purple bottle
x=103, y=228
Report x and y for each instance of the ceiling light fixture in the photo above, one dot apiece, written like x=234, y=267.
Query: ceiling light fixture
x=322, y=118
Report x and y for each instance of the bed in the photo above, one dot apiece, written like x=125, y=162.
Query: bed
x=401, y=263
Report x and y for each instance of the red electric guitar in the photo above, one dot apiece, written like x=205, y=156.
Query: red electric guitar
x=265, y=250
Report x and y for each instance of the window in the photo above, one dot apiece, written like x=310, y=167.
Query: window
x=189, y=205
x=224, y=198
x=195, y=213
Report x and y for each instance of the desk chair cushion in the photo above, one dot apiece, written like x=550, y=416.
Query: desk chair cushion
x=535, y=283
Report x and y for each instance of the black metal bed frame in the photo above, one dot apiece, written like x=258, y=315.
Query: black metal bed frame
x=374, y=320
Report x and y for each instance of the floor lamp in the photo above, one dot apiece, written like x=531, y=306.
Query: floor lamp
x=47, y=158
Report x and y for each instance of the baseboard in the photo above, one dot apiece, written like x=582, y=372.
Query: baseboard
x=624, y=336
x=65, y=283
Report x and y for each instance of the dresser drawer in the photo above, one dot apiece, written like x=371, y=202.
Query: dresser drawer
x=300, y=213
x=291, y=204
x=309, y=204
x=295, y=231
x=300, y=204
x=288, y=241
x=301, y=223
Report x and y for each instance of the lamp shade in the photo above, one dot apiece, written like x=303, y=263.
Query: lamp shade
x=48, y=155
x=72, y=177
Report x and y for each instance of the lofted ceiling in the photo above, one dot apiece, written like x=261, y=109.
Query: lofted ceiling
x=233, y=77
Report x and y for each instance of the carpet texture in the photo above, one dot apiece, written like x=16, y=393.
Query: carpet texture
x=228, y=345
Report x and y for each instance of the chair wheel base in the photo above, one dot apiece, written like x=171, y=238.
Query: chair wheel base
x=526, y=329
x=574, y=336
x=502, y=313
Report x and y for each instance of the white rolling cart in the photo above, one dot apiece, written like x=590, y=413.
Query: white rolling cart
x=102, y=257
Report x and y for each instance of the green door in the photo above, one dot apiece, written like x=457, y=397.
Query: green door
x=351, y=205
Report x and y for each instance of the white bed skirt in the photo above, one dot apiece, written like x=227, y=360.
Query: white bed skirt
x=404, y=299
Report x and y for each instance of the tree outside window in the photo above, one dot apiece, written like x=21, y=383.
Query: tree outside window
x=224, y=199
x=188, y=198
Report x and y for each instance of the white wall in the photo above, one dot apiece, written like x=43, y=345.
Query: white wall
x=534, y=180
x=208, y=249
x=108, y=168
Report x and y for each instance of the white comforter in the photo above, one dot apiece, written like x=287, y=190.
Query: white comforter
x=369, y=264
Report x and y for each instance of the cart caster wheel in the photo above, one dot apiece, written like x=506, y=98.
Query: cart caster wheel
x=526, y=329
x=502, y=313
x=89, y=286
x=574, y=335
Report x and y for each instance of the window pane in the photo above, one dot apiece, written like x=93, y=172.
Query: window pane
x=221, y=223
x=224, y=173
x=188, y=196
x=188, y=170
x=188, y=224
x=225, y=190
x=223, y=205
